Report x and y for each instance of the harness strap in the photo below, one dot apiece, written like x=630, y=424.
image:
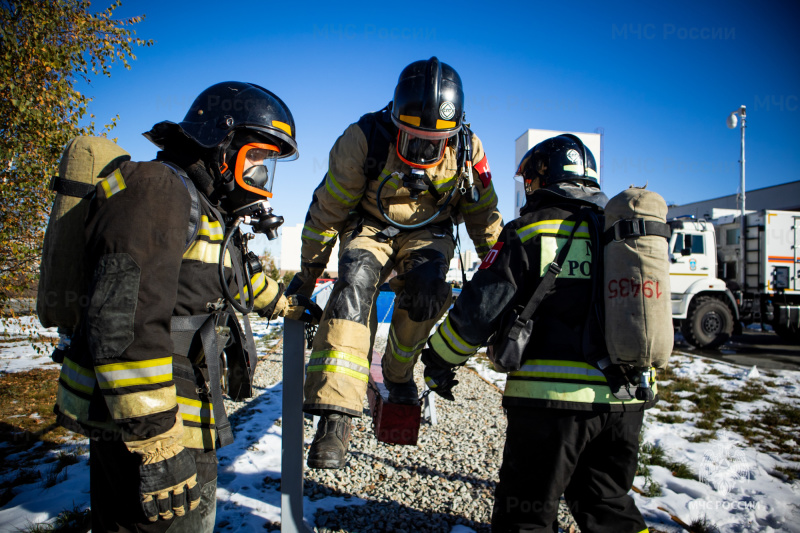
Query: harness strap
x=194, y=210
x=635, y=227
x=188, y=326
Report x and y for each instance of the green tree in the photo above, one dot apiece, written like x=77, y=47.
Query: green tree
x=46, y=48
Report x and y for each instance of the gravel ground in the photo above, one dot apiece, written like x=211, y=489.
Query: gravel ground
x=447, y=479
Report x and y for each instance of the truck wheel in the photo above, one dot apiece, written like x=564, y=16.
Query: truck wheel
x=789, y=334
x=709, y=324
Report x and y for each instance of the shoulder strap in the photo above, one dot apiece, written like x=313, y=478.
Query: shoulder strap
x=76, y=189
x=378, y=141
x=552, y=271
x=194, y=211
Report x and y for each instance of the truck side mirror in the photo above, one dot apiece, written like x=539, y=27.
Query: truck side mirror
x=687, y=245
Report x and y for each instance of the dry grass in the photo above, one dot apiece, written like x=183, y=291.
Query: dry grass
x=27, y=424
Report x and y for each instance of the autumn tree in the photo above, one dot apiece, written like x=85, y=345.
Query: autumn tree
x=47, y=47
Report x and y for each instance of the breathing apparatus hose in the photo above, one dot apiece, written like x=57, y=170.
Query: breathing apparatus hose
x=244, y=309
x=409, y=226
x=464, y=161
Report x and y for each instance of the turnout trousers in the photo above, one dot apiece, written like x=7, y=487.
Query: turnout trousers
x=589, y=457
x=114, y=487
x=338, y=370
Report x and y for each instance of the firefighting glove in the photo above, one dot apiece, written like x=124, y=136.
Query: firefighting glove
x=168, y=485
x=299, y=307
x=167, y=476
x=439, y=376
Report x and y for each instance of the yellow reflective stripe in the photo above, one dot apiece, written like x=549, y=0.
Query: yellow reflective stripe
x=394, y=181
x=138, y=404
x=443, y=350
x=403, y=353
x=555, y=369
x=444, y=124
x=339, y=362
x=77, y=377
x=195, y=410
x=339, y=370
x=455, y=340
x=282, y=126
x=323, y=236
x=206, y=252
x=482, y=203
x=338, y=192
x=259, y=281
x=134, y=373
x=334, y=354
x=563, y=392
x=414, y=121
x=430, y=382
x=113, y=184
x=557, y=227
x=212, y=230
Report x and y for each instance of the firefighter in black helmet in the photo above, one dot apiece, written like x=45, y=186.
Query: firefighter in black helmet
x=164, y=255
x=395, y=180
x=567, y=431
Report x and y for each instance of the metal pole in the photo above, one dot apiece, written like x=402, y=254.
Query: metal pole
x=292, y=428
x=743, y=230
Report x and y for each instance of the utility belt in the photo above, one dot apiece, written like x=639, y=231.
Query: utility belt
x=438, y=230
x=217, y=340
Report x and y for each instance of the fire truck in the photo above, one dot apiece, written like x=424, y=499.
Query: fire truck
x=711, y=299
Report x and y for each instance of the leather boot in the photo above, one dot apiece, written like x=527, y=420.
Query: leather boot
x=405, y=393
x=329, y=448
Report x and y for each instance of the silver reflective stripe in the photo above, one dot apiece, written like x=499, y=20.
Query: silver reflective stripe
x=134, y=373
x=211, y=230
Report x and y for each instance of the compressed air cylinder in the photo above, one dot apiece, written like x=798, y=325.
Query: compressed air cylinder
x=86, y=159
x=638, y=311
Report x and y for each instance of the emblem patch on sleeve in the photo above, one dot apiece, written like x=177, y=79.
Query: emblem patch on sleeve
x=483, y=171
x=491, y=256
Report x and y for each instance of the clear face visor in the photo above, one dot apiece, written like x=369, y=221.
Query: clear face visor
x=419, y=152
x=255, y=168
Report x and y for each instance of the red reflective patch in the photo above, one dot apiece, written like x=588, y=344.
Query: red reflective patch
x=491, y=256
x=483, y=171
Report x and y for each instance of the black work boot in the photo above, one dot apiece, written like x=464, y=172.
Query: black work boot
x=329, y=448
x=405, y=393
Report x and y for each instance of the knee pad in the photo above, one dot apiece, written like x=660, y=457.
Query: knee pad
x=425, y=290
x=351, y=299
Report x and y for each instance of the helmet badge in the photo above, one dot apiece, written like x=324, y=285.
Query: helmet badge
x=574, y=156
x=447, y=110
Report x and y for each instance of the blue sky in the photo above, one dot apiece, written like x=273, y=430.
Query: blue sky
x=658, y=78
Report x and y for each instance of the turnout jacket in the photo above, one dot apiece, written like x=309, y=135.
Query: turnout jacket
x=145, y=263
x=346, y=192
x=554, y=371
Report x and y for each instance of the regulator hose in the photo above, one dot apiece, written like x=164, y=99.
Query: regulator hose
x=244, y=309
x=409, y=226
